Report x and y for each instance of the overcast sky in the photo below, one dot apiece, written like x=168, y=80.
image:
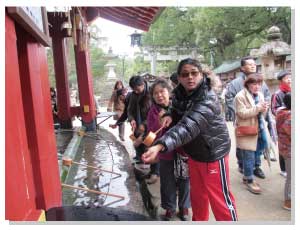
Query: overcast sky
x=118, y=36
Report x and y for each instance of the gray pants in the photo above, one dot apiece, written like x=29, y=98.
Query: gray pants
x=168, y=187
x=287, y=187
x=121, y=130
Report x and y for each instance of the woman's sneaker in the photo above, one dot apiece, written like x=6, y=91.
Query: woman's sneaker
x=169, y=215
x=245, y=181
x=287, y=205
x=283, y=173
x=183, y=214
x=253, y=187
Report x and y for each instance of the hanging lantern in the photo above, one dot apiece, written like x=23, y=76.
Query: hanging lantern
x=66, y=29
x=66, y=26
x=136, y=38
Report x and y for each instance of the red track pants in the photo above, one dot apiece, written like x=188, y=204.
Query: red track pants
x=209, y=183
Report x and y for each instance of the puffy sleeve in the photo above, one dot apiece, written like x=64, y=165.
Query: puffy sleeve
x=242, y=108
x=187, y=128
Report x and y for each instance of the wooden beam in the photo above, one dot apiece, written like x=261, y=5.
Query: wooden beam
x=125, y=21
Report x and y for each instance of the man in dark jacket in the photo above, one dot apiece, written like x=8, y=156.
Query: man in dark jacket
x=285, y=81
x=248, y=66
x=202, y=132
x=137, y=110
x=284, y=77
x=139, y=102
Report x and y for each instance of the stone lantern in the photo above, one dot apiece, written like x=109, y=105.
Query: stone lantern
x=106, y=87
x=111, y=75
x=273, y=56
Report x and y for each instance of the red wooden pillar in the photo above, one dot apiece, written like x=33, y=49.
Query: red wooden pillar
x=31, y=167
x=19, y=187
x=61, y=72
x=38, y=120
x=85, y=86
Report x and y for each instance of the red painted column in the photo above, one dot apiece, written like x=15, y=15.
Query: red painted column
x=20, y=191
x=61, y=73
x=85, y=86
x=39, y=121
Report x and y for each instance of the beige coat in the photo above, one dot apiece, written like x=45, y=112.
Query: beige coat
x=246, y=114
x=117, y=104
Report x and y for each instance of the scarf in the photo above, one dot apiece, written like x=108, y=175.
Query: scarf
x=262, y=142
x=284, y=87
x=166, y=108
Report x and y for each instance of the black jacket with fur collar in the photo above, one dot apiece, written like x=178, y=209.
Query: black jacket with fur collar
x=198, y=124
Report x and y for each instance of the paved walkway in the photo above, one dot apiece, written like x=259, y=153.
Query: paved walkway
x=264, y=207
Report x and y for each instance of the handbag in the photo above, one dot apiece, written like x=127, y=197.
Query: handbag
x=181, y=168
x=243, y=131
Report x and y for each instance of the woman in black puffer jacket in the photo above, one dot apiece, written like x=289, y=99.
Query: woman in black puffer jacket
x=199, y=124
x=200, y=129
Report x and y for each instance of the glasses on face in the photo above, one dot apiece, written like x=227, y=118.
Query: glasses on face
x=250, y=63
x=187, y=74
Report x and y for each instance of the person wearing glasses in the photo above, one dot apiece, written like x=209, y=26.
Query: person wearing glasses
x=199, y=128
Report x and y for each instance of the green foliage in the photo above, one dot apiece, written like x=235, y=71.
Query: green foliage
x=137, y=66
x=172, y=28
x=237, y=29
x=98, y=61
x=97, y=58
x=225, y=32
x=71, y=66
x=164, y=68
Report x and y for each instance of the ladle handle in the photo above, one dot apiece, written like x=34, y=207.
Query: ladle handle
x=92, y=191
x=156, y=132
x=93, y=167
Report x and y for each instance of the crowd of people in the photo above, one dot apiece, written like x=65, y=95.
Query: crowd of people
x=192, y=143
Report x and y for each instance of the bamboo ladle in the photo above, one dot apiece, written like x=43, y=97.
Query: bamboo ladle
x=131, y=136
x=151, y=137
x=68, y=162
x=92, y=191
